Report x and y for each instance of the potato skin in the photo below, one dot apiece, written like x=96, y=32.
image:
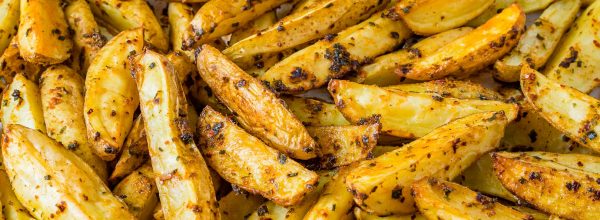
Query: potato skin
x=180, y=16
x=43, y=32
x=9, y=21
x=449, y=88
x=343, y=145
x=257, y=109
x=481, y=178
x=21, y=104
x=87, y=38
x=138, y=190
x=11, y=63
x=111, y=97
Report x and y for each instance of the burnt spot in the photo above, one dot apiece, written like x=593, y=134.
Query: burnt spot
x=498, y=44
x=535, y=176
x=308, y=149
x=571, y=59
x=573, y=186
x=97, y=136
x=404, y=69
x=73, y=146
x=394, y=35
x=415, y=53
x=240, y=83
x=330, y=37
x=532, y=136
x=340, y=58
x=186, y=138
x=298, y=74
x=397, y=193
x=217, y=128
x=592, y=135
x=16, y=94
x=110, y=150
x=447, y=190
x=281, y=158
x=437, y=97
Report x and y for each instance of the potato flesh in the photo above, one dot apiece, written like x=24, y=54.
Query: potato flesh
x=139, y=192
x=236, y=205
x=135, y=151
x=481, y=178
x=449, y=88
x=21, y=104
x=9, y=19
x=313, y=112
x=87, y=38
x=335, y=200
x=12, y=63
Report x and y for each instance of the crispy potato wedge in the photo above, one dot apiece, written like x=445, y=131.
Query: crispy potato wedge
x=111, y=97
x=312, y=112
x=43, y=32
x=449, y=88
x=247, y=162
x=12, y=63
x=180, y=16
x=236, y=205
x=135, y=151
x=575, y=61
x=481, y=178
x=53, y=182
x=257, y=109
x=62, y=94
x=336, y=55
x=86, y=34
x=255, y=26
x=11, y=206
x=490, y=12
x=427, y=17
x=9, y=22
x=129, y=14
x=471, y=52
x=570, y=111
x=551, y=185
x=382, y=185
x=21, y=104
x=538, y=41
x=183, y=179
x=139, y=192
x=335, y=201
x=381, y=71
x=439, y=199
x=406, y=114
x=343, y=145
x=360, y=214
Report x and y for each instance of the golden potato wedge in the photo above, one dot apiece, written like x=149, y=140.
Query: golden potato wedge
x=537, y=215
x=449, y=88
x=471, y=52
x=12, y=63
x=551, y=185
x=299, y=28
x=343, y=145
x=538, y=41
x=139, y=192
x=490, y=12
x=257, y=109
x=257, y=25
x=335, y=201
x=129, y=14
x=11, y=206
x=481, y=178
x=61, y=91
x=134, y=153
x=237, y=205
x=86, y=34
x=21, y=104
x=570, y=111
x=183, y=179
x=534, y=5
x=439, y=199
x=180, y=16
x=336, y=55
x=360, y=214
x=427, y=17
x=184, y=68
x=381, y=71
x=53, y=182
x=111, y=96
x=405, y=114
x=312, y=112
x=382, y=185
x=9, y=22
x=575, y=61
x=247, y=162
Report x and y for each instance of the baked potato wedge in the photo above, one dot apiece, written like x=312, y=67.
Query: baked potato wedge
x=335, y=201
x=134, y=153
x=129, y=14
x=360, y=214
x=185, y=69
x=183, y=179
x=247, y=162
x=53, y=182
x=312, y=112
x=12, y=63
x=139, y=192
x=481, y=178
x=471, y=52
x=87, y=39
x=490, y=12
x=449, y=88
x=427, y=17
x=180, y=15
x=575, y=61
x=336, y=55
x=343, y=145
x=255, y=26
x=11, y=206
x=538, y=41
x=534, y=5
x=21, y=104
x=239, y=205
x=111, y=96
x=43, y=32
x=439, y=199
x=551, y=185
x=382, y=185
x=257, y=109
x=62, y=94
x=406, y=114
x=9, y=22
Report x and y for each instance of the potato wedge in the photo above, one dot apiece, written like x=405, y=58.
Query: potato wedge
x=9, y=22
x=135, y=151
x=255, y=26
x=312, y=112
x=570, y=111
x=427, y=17
x=405, y=114
x=53, y=182
x=86, y=34
x=129, y=14
x=299, y=28
x=12, y=63
x=183, y=179
x=382, y=185
x=180, y=16
x=335, y=201
x=538, y=41
x=481, y=178
x=237, y=205
x=439, y=199
x=537, y=215
x=257, y=109
x=343, y=145
x=21, y=104
x=534, y=5
x=360, y=214
x=472, y=52
x=381, y=71
x=139, y=192
x=490, y=12
x=551, y=186
x=247, y=162
x=11, y=206
x=575, y=61
x=111, y=97
x=61, y=91
x=449, y=88
x=336, y=55
x=185, y=69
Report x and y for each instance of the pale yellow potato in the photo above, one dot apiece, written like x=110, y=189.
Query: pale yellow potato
x=551, y=185
x=439, y=199
x=427, y=17
x=382, y=185
x=87, y=38
x=538, y=41
x=406, y=114
x=343, y=145
x=111, y=96
x=53, y=182
x=129, y=14
x=255, y=26
x=11, y=64
x=336, y=55
x=134, y=153
x=257, y=108
x=185, y=69
x=138, y=190
x=449, y=88
x=21, y=104
x=61, y=91
x=360, y=214
x=534, y=5
x=576, y=60
x=312, y=112
x=9, y=22
x=11, y=206
x=471, y=52
x=481, y=178
x=180, y=15
x=335, y=201
x=238, y=205
x=183, y=179
x=490, y=12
